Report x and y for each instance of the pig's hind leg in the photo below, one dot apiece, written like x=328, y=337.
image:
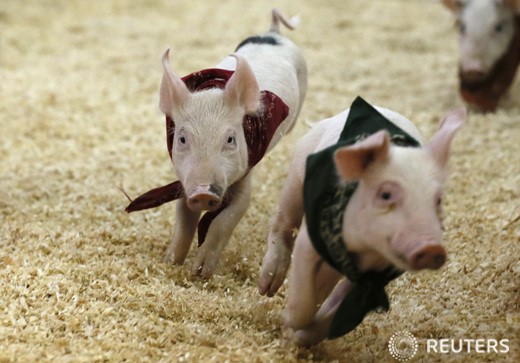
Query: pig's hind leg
x=183, y=233
x=311, y=281
x=319, y=329
x=221, y=229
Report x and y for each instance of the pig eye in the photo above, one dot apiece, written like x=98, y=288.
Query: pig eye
x=438, y=199
x=387, y=193
x=438, y=202
x=461, y=26
x=438, y=206
x=182, y=141
x=499, y=28
x=231, y=142
x=388, y=196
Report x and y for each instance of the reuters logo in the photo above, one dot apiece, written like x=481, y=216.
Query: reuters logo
x=402, y=346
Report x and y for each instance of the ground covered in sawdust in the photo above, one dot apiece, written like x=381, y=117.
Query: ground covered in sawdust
x=82, y=281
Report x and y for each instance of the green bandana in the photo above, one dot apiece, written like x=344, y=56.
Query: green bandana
x=325, y=201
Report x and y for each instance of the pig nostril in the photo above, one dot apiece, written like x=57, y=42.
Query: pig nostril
x=439, y=260
x=420, y=260
x=201, y=202
x=473, y=75
x=215, y=189
x=431, y=257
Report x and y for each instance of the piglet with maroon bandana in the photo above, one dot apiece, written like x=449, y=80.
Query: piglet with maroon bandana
x=370, y=190
x=489, y=45
x=219, y=123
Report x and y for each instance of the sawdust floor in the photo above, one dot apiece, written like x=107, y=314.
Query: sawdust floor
x=82, y=281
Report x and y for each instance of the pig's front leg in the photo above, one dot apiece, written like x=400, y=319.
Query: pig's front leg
x=311, y=280
x=185, y=227
x=281, y=236
x=319, y=329
x=221, y=228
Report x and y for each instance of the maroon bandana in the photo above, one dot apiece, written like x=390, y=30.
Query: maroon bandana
x=258, y=130
x=485, y=94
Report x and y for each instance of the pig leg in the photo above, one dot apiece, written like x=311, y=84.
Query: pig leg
x=221, y=228
x=282, y=234
x=186, y=225
x=320, y=326
x=311, y=280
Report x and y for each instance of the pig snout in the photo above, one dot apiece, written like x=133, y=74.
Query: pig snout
x=204, y=197
x=420, y=251
x=428, y=257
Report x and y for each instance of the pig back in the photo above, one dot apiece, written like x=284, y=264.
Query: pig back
x=280, y=68
x=328, y=131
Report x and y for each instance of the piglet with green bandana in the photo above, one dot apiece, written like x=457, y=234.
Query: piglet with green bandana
x=370, y=190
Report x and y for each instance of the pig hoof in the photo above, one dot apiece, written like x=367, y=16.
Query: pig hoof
x=196, y=270
x=168, y=259
x=270, y=280
x=202, y=271
x=206, y=263
x=305, y=338
x=269, y=285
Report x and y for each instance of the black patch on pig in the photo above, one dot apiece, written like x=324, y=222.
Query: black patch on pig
x=258, y=39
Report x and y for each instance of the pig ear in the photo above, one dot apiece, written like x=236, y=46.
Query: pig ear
x=352, y=161
x=513, y=4
x=242, y=88
x=439, y=145
x=173, y=90
x=454, y=5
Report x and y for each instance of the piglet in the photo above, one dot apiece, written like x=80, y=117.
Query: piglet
x=371, y=195
x=489, y=44
x=220, y=122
